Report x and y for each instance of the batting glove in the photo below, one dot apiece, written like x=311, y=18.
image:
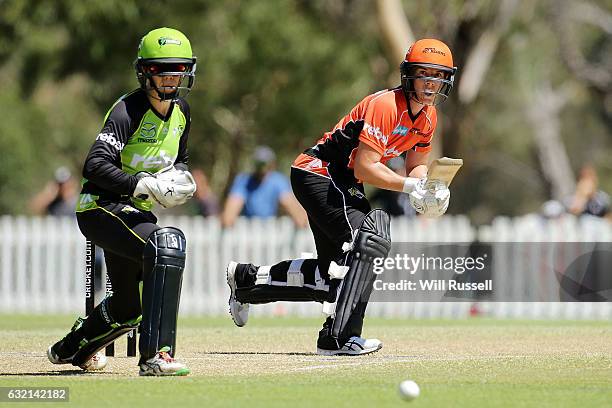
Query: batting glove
x=430, y=198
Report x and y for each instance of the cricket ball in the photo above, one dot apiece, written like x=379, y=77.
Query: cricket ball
x=409, y=390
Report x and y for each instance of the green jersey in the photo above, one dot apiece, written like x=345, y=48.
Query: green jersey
x=134, y=138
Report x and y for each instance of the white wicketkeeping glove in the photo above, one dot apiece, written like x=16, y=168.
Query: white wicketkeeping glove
x=169, y=188
x=430, y=198
x=178, y=177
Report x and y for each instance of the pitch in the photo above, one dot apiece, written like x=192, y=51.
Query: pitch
x=271, y=363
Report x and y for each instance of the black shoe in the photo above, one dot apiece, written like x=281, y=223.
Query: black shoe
x=58, y=353
x=64, y=350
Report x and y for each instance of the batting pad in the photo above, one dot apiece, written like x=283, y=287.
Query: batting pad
x=372, y=241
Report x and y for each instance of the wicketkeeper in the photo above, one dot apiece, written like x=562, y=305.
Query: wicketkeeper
x=328, y=180
x=138, y=159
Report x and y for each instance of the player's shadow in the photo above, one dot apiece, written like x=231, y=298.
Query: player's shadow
x=62, y=373
x=263, y=353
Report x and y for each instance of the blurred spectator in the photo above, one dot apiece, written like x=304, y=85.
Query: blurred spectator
x=204, y=198
x=259, y=193
x=393, y=202
x=58, y=197
x=588, y=199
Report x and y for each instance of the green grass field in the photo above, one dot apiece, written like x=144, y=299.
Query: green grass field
x=271, y=363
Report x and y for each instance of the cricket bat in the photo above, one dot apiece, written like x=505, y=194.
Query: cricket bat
x=444, y=169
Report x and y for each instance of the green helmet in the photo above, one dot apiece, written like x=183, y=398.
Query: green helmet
x=165, y=52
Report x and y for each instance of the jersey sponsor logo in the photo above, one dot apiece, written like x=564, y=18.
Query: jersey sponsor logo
x=143, y=140
x=166, y=41
x=376, y=132
x=400, y=130
x=392, y=152
x=150, y=162
x=418, y=132
x=111, y=140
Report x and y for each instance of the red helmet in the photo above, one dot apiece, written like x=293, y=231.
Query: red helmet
x=428, y=54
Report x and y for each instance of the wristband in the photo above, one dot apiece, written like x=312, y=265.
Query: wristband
x=410, y=184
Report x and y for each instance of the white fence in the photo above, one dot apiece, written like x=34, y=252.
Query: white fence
x=42, y=263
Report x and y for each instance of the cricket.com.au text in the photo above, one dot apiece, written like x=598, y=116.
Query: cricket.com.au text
x=411, y=265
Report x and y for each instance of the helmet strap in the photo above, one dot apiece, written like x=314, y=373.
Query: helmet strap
x=409, y=91
x=159, y=95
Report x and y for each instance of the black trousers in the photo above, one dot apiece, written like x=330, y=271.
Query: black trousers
x=336, y=207
x=121, y=231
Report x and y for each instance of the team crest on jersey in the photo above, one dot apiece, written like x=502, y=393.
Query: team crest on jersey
x=354, y=191
x=148, y=130
x=148, y=133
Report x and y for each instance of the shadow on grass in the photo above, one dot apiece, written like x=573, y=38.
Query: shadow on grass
x=62, y=373
x=263, y=353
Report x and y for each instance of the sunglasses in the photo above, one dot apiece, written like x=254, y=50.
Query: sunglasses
x=156, y=69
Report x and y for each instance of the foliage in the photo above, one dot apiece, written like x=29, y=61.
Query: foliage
x=280, y=73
